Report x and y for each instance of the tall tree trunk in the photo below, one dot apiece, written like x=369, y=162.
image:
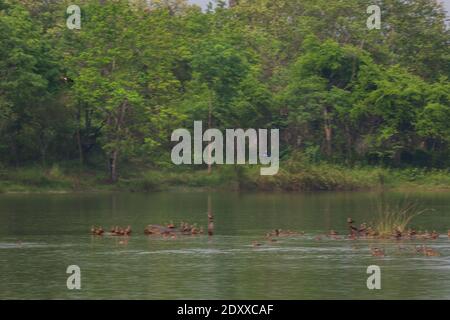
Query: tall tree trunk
x=43, y=148
x=328, y=131
x=80, y=147
x=14, y=151
x=44, y=158
x=349, y=139
x=113, y=166
x=113, y=159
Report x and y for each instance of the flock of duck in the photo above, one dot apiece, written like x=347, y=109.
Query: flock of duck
x=169, y=230
x=362, y=232
x=366, y=232
x=114, y=231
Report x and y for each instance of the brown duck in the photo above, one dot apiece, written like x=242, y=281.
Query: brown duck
x=97, y=231
x=434, y=235
x=429, y=252
x=377, y=252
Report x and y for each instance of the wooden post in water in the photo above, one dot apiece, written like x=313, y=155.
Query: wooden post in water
x=210, y=217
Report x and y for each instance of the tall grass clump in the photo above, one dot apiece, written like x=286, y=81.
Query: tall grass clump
x=148, y=182
x=34, y=176
x=55, y=173
x=395, y=218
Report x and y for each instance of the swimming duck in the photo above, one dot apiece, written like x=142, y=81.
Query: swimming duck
x=397, y=233
x=419, y=249
x=150, y=229
x=256, y=244
x=281, y=233
x=448, y=233
x=411, y=233
x=351, y=236
x=371, y=233
x=127, y=231
x=157, y=230
x=434, y=235
x=195, y=231
x=353, y=230
x=270, y=239
x=362, y=228
x=333, y=233
x=94, y=230
x=273, y=233
x=429, y=252
x=97, y=231
x=185, y=227
x=171, y=225
x=377, y=252
x=120, y=231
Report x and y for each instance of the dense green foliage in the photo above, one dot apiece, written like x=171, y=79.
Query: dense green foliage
x=109, y=95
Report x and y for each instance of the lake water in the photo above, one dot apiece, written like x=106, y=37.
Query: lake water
x=42, y=234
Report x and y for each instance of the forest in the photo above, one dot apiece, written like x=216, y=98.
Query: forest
x=97, y=105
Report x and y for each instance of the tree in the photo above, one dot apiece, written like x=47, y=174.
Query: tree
x=319, y=93
x=29, y=77
x=124, y=74
x=432, y=122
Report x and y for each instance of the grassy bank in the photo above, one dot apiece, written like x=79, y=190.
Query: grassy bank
x=292, y=177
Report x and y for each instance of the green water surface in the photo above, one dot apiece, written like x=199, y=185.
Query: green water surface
x=42, y=234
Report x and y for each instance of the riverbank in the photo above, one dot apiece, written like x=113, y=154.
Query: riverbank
x=291, y=178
